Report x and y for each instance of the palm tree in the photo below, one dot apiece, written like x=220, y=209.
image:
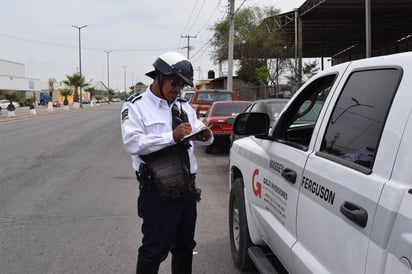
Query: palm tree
x=30, y=101
x=110, y=93
x=65, y=92
x=51, y=88
x=75, y=81
x=12, y=96
x=91, y=91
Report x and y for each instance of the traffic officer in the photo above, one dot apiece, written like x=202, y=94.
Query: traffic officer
x=150, y=123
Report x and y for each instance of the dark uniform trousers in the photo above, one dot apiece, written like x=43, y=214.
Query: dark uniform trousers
x=167, y=226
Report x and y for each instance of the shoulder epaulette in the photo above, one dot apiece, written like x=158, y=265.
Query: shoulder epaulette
x=134, y=97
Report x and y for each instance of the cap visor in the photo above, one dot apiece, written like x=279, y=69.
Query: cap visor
x=151, y=74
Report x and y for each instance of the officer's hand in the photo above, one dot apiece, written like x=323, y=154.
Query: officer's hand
x=181, y=130
x=204, y=136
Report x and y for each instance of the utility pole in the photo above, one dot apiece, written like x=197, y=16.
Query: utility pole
x=80, y=61
x=230, y=50
x=188, y=42
x=108, y=73
x=124, y=69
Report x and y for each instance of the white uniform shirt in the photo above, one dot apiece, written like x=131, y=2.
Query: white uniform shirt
x=146, y=124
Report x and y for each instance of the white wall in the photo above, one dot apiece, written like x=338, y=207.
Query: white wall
x=11, y=68
x=12, y=77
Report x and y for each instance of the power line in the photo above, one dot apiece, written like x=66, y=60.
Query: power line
x=198, y=15
x=84, y=48
x=202, y=48
x=210, y=16
x=190, y=17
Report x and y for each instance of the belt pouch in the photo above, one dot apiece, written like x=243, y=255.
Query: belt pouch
x=170, y=172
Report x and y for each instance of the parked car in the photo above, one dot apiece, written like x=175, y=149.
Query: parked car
x=187, y=95
x=4, y=103
x=85, y=101
x=219, y=119
x=271, y=107
x=115, y=99
x=202, y=99
x=56, y=104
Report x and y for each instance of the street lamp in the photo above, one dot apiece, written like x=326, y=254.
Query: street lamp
x=108, y=73
x=124, y=68
x=80, y=60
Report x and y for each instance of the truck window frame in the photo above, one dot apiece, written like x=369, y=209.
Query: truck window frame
x=385, y=85
x=289, y=128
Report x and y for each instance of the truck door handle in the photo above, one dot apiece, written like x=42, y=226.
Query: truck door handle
x=289, y=175
x=354, y=213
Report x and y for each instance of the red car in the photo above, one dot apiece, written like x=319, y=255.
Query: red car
x=202, y=99
x=219, y=118
x=56, y=104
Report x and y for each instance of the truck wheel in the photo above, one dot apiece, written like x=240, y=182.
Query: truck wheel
x=238, y=230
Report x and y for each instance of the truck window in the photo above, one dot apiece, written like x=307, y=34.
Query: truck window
x=296, y=126
x=357, y=121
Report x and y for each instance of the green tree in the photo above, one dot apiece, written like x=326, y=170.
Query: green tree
x=277, y=67
x=99, y=98
x=30, y=101
x=12, y=96
x=66, y=92
x=308, y=70
x=110, y=93
x=253, y=71
x=91, y=91
x=255, y=40
x=75, y=81
x=51, y=88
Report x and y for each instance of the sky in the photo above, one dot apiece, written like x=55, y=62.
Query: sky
x=125, y=36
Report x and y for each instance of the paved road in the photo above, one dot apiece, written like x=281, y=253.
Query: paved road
x=68, y=198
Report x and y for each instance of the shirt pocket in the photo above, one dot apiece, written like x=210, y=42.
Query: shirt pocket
x=156, y=126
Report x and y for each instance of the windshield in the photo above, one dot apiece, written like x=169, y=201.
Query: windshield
x=229, y=109
x=210, y=97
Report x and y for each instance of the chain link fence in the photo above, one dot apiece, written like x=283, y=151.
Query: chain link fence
x=252, y=92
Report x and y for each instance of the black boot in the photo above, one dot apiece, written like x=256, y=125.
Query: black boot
x=182, y=264
x=145, y=267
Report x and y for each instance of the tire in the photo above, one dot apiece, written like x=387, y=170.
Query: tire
x=238, y=229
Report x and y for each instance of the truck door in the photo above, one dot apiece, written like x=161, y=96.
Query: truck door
x=342, y=183
x=276, y=176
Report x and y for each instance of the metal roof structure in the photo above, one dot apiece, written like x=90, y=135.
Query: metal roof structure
x=338, y=28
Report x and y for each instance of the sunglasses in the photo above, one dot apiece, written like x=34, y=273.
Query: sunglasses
x=176, y=82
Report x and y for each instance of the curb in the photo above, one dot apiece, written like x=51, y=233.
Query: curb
x=4, y=118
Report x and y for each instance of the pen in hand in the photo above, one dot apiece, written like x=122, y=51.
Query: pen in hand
x=178, y=120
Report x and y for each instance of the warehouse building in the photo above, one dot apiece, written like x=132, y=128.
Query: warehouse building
x=12, y=78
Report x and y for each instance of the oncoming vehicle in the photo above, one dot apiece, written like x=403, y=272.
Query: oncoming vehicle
x=202, y=99
x=219, y=119
x=328, y=189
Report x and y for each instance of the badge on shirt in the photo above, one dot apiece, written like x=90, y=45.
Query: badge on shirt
x=125, y=114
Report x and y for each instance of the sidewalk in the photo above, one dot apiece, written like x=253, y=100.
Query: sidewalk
x=24, y=112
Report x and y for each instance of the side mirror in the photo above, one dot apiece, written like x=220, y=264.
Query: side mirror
x=251, y=123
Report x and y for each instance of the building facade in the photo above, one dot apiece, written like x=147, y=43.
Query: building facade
x=12, y=78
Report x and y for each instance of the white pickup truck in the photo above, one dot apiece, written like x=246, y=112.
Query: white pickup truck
x=328, y=189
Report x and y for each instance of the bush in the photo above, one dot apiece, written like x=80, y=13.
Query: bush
x=11, y=107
